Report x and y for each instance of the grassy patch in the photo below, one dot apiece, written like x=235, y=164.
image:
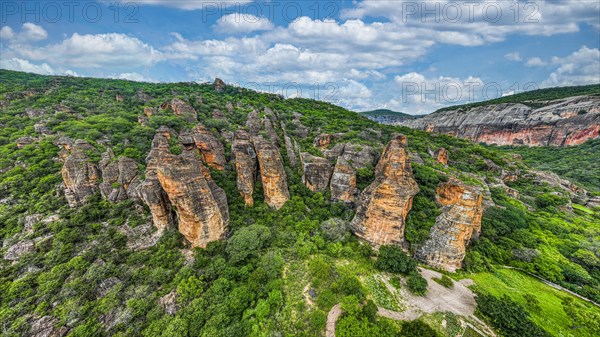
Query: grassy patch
x=381, y=294
x=550, y=314
x=583, y=209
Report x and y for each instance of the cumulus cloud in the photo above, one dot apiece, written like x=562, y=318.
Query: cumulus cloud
x=513, y=57
x=94, y=51
x=535, y=62
x=421, y=94
x=242, y=23
x=194, y=4
x=26, y=66
x=29, y=32
x=136, y=77
x=579, y=68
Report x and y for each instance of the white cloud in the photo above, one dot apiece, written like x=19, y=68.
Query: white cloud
x=535, y=62
x=30, y=32
x=419, y=94
x=215, y=5
x=579, y=68
x=513, y=57
x=94, y=51
x=26, y=66
x=136, y=77
x=242, y=23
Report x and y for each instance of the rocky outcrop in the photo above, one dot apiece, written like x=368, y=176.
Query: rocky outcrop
x=244, y=156
x=441, y=156
x=201, y=215
x=46, y=327
x=323, y=141
x=272, y=174
x=151, y=191
x=35, y=113
x=119, y=177
x=359, y=156
x=182, y=186
x=383, y=205
x=316, y=172
x=182, y=108
x=343, y=182
x=210, y=147
x=459, y=222
x=24, y=141
x=80, y=175
x=219, y=85
x=19, y=249
x=564, y=122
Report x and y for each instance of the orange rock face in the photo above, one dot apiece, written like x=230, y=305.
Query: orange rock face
x=460, y=220
x=272, y=174
x=324, y=140
x=441, y=156
x=80, y=175
x=200, y=219
x=383, y=205
x=316, y=172
x=343, y=182
x=246, y=164
x=211, y=148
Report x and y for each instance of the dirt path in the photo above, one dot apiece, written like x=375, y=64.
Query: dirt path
x=332, y=318
x=554, y=285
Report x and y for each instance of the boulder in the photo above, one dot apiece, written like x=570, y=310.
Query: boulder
x=210, y=147
x=382, y=207
x=219, y=85
x=441, y=156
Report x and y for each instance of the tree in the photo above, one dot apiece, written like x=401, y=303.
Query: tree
x=247, y=242
x=394, y=260
x=417, y=284
x=581, y=316
x=418, y=328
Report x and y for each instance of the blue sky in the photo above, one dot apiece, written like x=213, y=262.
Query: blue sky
x=411, y=56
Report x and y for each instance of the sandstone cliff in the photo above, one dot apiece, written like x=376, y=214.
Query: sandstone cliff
x=151, y=191
x=316, y=172
x=564, y=122
x=80, y=175
x=210, y=147
x=119, y=177
x=460, y=220
x=343, y=182
x=201, y=217
x=244, y=156
x=272, y=174
x=383, y=205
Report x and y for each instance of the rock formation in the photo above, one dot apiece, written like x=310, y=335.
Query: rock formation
x=244, y=156
x=24, y=141
x=151, y=191
x=182, y=108
x=563, y=122
x=316, y=172
x=182, y=185
x=343, y=182
x=80, y=175
x=210, y=147
x=219, y=85
x=359, y=156
x=441, y=156
x=323, y=141
x=460, y=220
x=201, y=216
x=272, y=174
x=119, y=177
x=383, y=205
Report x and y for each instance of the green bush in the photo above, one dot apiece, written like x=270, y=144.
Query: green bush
x=444, y=281
x=417, y=284
x=393, y=259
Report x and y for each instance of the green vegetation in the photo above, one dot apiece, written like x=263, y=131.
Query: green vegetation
x=543, y=304
x=97, y=271
x=444, y=281
x=578, y=164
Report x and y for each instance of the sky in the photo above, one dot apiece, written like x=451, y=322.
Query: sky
x=409, y=56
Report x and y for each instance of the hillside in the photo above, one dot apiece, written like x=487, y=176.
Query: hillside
x=550, y=117
x=184, y=209
x=388, y=117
